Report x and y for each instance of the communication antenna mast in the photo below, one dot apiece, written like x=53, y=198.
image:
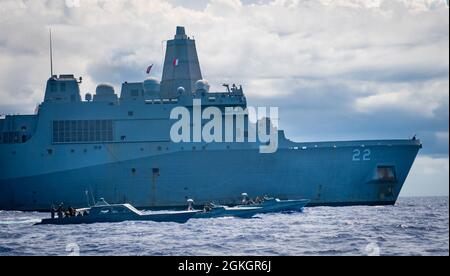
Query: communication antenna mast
x=51, y=54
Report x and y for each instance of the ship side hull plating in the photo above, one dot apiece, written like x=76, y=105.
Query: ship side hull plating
x=336, y=173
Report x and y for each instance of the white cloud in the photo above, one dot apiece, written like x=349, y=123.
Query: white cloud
x=280, y=39
x=428, y=177
x=223, y=8
x=417, y=5
x=418, y=98
x=442, y=135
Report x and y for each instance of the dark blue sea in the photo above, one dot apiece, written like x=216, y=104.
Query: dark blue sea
x=414, y=226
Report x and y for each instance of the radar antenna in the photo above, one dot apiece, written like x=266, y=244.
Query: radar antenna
x=227, y=86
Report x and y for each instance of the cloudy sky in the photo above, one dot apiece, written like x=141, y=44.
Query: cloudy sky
x=337, y=69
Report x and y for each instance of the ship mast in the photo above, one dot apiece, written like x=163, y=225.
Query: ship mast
x=51, y=54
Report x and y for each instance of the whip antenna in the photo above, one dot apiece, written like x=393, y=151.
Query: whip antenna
x=51, y=54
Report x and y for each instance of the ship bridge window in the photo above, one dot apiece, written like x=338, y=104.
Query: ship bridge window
x=386, y=173
x=79, y=131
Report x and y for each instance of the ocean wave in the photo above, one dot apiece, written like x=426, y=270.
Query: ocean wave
x=415, y=226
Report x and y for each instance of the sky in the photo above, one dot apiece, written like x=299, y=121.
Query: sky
x=337, y=69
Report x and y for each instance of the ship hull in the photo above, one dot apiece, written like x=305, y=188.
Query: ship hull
x=327, y=175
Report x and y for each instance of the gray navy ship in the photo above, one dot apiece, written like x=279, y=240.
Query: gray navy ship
x=119, y=147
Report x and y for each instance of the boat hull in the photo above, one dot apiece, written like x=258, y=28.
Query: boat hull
x=177, y=217
x=224, y=211
x=273, y=205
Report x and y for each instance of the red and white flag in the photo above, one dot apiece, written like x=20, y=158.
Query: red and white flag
x=149, y=69
x=175, y=62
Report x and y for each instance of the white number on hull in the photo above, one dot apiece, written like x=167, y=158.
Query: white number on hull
x=365, y=155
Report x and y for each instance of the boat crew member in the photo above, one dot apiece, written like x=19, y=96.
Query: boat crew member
x=71, y=211
x=190, y=202
x=244, y=198
x=208, y=207
x=60, y=210
x=258, y=200
x=52, y=211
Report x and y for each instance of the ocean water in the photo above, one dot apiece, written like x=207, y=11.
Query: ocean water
x=414, y=226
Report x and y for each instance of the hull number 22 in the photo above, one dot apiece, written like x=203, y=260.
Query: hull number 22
x=359, y=155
